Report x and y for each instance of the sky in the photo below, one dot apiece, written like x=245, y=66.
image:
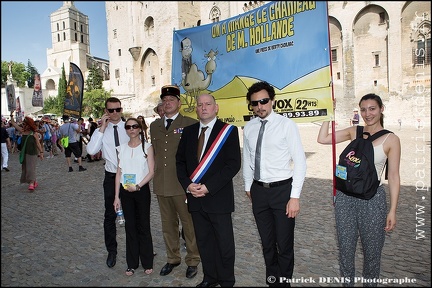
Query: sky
x=26, y=30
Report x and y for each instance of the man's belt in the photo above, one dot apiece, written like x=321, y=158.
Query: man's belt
x=273, y=184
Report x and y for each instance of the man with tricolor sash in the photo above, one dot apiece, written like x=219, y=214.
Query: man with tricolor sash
x=207, y=178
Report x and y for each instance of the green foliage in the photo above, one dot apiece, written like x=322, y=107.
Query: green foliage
x=61, y=94
x=94, y=79
x=19, y=73
x=94, y=102
x=33, y=71
x=51, y=106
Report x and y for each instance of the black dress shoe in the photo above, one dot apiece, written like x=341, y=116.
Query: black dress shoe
x=191, y=271
x=168, y=268
x=111, y=260
x=207, y=284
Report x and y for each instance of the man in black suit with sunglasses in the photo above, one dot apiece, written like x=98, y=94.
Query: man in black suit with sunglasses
x=104, y=138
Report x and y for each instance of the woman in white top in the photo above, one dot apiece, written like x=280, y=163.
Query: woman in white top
x=134, y=172
x=368, y=219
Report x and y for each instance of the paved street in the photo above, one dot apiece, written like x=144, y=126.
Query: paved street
x=54, y=235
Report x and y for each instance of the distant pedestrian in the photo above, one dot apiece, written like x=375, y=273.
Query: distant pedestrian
x=33, y=150
x=5, y=147
x=355, y=120
x=71, y=130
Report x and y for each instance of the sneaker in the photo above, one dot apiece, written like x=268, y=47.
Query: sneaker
x=6, y=169
x=82, y=169
x=36, y=184
x=70, y=169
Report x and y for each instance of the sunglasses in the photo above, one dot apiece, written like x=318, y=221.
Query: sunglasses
x=262, y=102
x=114, y=109
x=134, y=126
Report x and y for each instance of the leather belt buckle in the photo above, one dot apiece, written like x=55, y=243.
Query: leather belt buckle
x=266, y=185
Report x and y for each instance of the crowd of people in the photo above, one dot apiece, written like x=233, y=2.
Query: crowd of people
x=192, y=163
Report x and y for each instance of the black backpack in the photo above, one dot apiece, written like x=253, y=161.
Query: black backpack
x=356, y=174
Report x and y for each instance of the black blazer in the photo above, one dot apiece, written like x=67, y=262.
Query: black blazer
x=218, y=178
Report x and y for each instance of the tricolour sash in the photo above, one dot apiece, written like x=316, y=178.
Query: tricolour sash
x=211, y=154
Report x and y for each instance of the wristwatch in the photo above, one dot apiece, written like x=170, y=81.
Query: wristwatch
x=137, y=187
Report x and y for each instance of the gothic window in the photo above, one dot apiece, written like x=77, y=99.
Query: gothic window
x=64, y=36
x=215, y=14
x=82, y=38
x=64, y=25
x=76, y=37
x=58, y=37
x=75, y=26
x=58, y=27
x=421, y=49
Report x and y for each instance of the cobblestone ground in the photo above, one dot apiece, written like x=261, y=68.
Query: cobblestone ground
x=54, y=235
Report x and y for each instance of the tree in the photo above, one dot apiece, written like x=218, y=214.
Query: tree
x=94, y=102
x=33, y=71
x=19, y=73
x=61, y=94
x=94, y=79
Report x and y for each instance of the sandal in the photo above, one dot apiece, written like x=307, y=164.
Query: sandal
x=130, y=271
x=148, y=271
x=31, y=187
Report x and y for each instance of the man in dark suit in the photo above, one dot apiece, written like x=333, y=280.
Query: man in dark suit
x=206, y=176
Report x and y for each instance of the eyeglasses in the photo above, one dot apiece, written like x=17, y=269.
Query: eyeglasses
x=262, y=102
x=134, y=126
x=114, y=109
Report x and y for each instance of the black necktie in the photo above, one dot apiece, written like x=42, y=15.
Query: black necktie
x=168, y=123
x=201, y=142
x=116, y=137
x=258, y=151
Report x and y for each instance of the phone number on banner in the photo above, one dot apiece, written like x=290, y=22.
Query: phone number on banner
x=302, y=114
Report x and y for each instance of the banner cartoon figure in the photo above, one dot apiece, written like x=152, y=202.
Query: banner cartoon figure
x=285, y=43
x=74, y=92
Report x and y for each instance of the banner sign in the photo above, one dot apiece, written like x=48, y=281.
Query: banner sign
x=285, y=43
x=11, y=99
x=37, y=99
x=74, y=92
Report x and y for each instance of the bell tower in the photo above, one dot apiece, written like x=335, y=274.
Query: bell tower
x=70, y=38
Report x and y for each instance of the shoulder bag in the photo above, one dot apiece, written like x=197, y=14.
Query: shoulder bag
x=22, y=152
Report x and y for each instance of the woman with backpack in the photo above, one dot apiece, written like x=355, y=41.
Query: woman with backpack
x=368, y=219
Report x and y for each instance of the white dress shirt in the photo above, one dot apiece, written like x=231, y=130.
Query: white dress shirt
x=105, y=142
x=282, y=154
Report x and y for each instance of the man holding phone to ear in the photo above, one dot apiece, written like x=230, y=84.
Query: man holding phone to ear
x=104, y=138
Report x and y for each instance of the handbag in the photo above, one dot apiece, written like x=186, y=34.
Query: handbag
x=22, y=152
x=65, y=139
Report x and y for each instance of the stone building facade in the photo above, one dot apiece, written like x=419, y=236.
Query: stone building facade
x=376, y=47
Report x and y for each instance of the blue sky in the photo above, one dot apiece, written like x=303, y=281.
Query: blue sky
x=26, y=30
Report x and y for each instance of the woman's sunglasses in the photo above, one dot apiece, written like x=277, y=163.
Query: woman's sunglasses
x=262, y=102
x=114, y=109
x=134, y=126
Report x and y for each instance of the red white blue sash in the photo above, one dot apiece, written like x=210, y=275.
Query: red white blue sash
x=211, y=154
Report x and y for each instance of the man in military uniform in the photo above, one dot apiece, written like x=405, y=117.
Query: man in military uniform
x=165, y=137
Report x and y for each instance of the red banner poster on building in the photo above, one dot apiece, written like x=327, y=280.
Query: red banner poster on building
x=37, y=99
